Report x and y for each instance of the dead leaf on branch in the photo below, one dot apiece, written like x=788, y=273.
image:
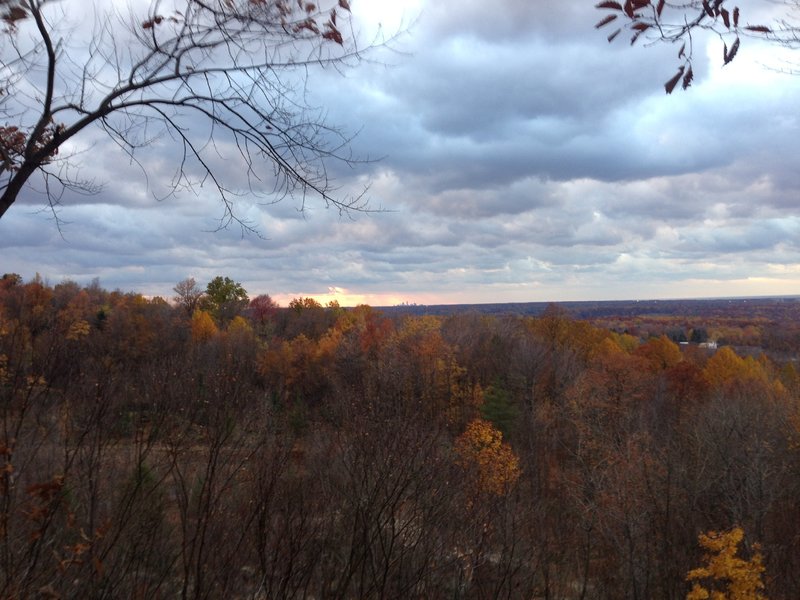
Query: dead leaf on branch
x=670, y=85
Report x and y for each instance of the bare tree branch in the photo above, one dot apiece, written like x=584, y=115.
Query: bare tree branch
x=239, y=67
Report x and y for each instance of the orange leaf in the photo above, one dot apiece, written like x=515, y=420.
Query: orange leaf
x=98, y=566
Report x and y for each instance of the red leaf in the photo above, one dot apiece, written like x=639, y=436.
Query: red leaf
x=687, y=79
x=736, y=16
x=707, y=8
x=14, y=14
x=734, y=49
x=660, y=7
x=344, y=4
x=333, y=34
x=629, y=8
x=150, y=23
x=606, y=20
x=613, y=35
x=670, y=85
x=639, y=26
x=610, y=5
x=681, y=53
x=726, y=18
x=758, y=28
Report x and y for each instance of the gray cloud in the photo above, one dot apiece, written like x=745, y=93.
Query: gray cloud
x=522, y=158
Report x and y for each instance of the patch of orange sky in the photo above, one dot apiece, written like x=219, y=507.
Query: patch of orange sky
x=784, y=284
x=347, y=298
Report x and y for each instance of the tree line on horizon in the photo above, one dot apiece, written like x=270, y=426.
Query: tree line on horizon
x=148, y=450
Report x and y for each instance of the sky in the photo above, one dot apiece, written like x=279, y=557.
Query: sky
x=510, y=154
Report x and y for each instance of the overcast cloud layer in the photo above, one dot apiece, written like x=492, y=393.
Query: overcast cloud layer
x=521, y=158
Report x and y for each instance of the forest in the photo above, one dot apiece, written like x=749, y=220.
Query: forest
x=217, y=446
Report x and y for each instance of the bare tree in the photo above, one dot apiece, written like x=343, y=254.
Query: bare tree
x=212, y=76
x=187, y=295
x=679, y=22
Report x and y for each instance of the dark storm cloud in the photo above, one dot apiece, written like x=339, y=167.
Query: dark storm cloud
x=471, y=114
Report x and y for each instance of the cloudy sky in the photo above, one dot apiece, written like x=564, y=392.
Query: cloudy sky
x=514, y=155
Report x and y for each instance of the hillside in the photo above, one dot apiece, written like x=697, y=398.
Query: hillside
x=243, y=450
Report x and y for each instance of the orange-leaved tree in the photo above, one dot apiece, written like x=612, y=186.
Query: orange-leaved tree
x=726, y=368
x=662, y=353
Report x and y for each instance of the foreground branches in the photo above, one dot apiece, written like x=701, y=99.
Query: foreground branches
x=678, y=22
x=221, y=80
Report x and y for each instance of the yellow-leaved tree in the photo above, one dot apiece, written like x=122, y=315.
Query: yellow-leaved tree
x=203, y=326
x=482, y=452
x=726, y=576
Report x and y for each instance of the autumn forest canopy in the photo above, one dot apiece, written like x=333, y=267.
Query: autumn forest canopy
x=220, y=446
